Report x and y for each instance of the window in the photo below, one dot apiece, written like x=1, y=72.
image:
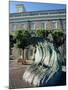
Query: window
x=10, y=27
x=43, y=25
x=13, y=27
x=54, y=24
x=64, y=25
x=32, y=25
x=21, y=26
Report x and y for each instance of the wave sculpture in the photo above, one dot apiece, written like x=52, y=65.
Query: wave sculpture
x=46, y=69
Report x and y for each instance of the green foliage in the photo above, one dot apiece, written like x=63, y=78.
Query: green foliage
x=18, y=35
x=12, y=40
x=58, y=37
x=47, y=32
x=42, y=33
x=22, y=38
x=26, y=34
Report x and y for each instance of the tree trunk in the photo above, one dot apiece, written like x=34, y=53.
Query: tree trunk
x=23, y=53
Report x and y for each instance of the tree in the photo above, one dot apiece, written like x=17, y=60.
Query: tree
x=58, y=37
x=22, y=40
x=42, y=33
x=12, y=42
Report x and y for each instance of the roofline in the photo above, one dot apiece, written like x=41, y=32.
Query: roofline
x=38, y=11
x=19, y=4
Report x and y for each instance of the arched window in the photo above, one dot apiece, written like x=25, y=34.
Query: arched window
x=54, y=24
x=43, y=25
x=32, y=26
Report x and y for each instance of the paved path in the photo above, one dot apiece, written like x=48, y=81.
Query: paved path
x=15, y=76
x=16, y=71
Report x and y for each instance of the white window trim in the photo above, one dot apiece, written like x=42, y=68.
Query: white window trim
x=33, y=26
x=22, y=26
x=13, y=27
x=55, y=25
x=44, y=24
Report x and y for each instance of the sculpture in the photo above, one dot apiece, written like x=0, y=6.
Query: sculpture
x=46, y=69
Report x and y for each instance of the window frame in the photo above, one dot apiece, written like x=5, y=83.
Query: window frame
x=44, y=25
x=32, y=27
x=54, y=26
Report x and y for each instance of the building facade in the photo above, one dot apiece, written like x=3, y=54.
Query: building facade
x=35, y=20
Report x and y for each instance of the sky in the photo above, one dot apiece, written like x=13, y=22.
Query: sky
x=33, y=6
